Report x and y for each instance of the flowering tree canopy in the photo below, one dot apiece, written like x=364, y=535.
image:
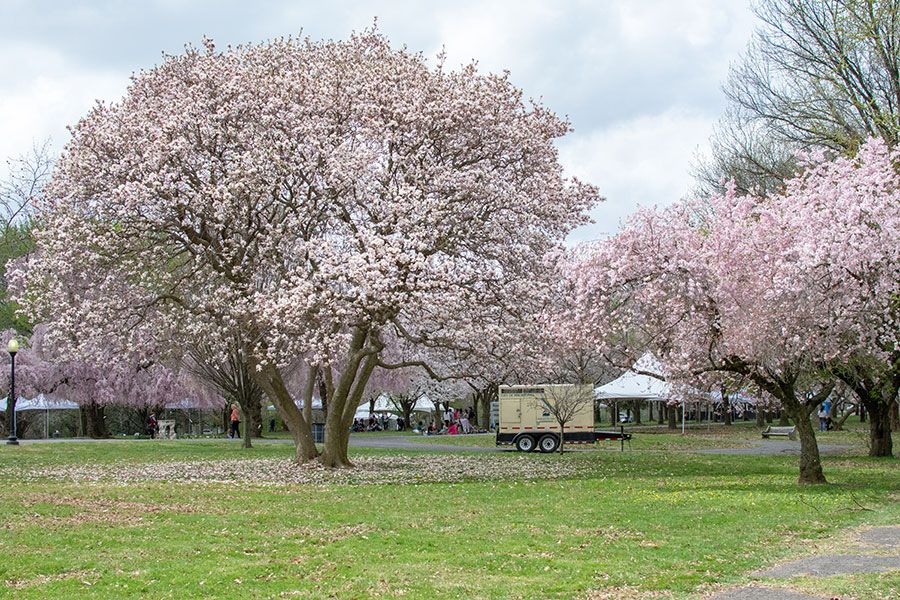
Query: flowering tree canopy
x=780, y=288
x=306, y=197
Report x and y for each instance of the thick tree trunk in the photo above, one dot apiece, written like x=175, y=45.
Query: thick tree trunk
x=271, y=382
x=769, y=417
x=650, y=411
x=862, y=413
x=810, y=461
x=726, y=409
x=345, y=399
x=783, y=419
x=760, y=417
x=613, y=414
x=662, y=413
x=671, y=414
x=637, y=412
x=94, y=421
x=880, y=442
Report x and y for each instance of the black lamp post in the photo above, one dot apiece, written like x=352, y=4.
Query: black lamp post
x=12, y=348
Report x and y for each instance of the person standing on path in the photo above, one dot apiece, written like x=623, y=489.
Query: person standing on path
x=235, y=431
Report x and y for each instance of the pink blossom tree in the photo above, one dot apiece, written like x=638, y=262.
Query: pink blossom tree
x=782, y=290
x=844, y=219
x=310, y=198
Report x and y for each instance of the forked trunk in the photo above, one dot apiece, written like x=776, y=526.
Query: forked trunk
x=348, y=393
x=270, y=380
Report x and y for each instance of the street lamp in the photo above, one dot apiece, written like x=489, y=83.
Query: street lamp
x=12, y=348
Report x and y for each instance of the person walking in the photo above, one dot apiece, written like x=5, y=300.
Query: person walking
x=235, y=431
x=152, y=425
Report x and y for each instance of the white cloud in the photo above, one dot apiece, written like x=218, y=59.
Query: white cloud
x=645, y=161
x=43, y=93
x=638, y=78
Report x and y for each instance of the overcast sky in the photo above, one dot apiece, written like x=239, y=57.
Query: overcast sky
x=639, y=79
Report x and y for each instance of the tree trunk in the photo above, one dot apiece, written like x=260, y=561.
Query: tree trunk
x=783, y=420
x=760, y=417
x=726, y=408
x=94, y=421
x=862, y=413
x=269, y=379
x=637, y=412
x=650, y=411
x=880, y=443
x=895, y=415
x=661, y=410
x=345, y=398
x=248, y=428
x=810, y=461
x=670, y=413
x=562, y=437
x=254, y=418
x=770, y=416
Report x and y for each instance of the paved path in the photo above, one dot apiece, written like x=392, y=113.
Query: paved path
x=752, y=592
x=401, y=442
x=406, y=442
x=882, y=539
x=398, y=442
x=776, y=447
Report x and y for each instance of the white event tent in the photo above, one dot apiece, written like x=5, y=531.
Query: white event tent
x=383, y=404
x=635, y=384
x=43, y=403
x=40, y=402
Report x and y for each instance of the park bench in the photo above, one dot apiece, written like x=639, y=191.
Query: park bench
x=788, y=432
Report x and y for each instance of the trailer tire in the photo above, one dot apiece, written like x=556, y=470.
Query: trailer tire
x=525, y=443
x=548, y=443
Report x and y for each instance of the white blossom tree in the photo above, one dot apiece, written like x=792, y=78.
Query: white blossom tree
x=310, y=198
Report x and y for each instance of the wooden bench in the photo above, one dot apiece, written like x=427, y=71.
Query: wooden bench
x=788, y=432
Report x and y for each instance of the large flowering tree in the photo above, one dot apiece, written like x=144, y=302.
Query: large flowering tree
x=307, y=198
x=783, y=290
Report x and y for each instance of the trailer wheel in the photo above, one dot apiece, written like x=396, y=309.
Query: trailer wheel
x=525, y=443
x=549, y=443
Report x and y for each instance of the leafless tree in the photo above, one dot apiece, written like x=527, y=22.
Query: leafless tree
x=26, y=176
x=564, y=403
x=229, y=376
x=817, y=74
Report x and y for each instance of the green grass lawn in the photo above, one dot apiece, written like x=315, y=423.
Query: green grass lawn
x=625, y=525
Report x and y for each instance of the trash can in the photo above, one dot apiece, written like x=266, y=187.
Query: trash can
x=318, y=431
